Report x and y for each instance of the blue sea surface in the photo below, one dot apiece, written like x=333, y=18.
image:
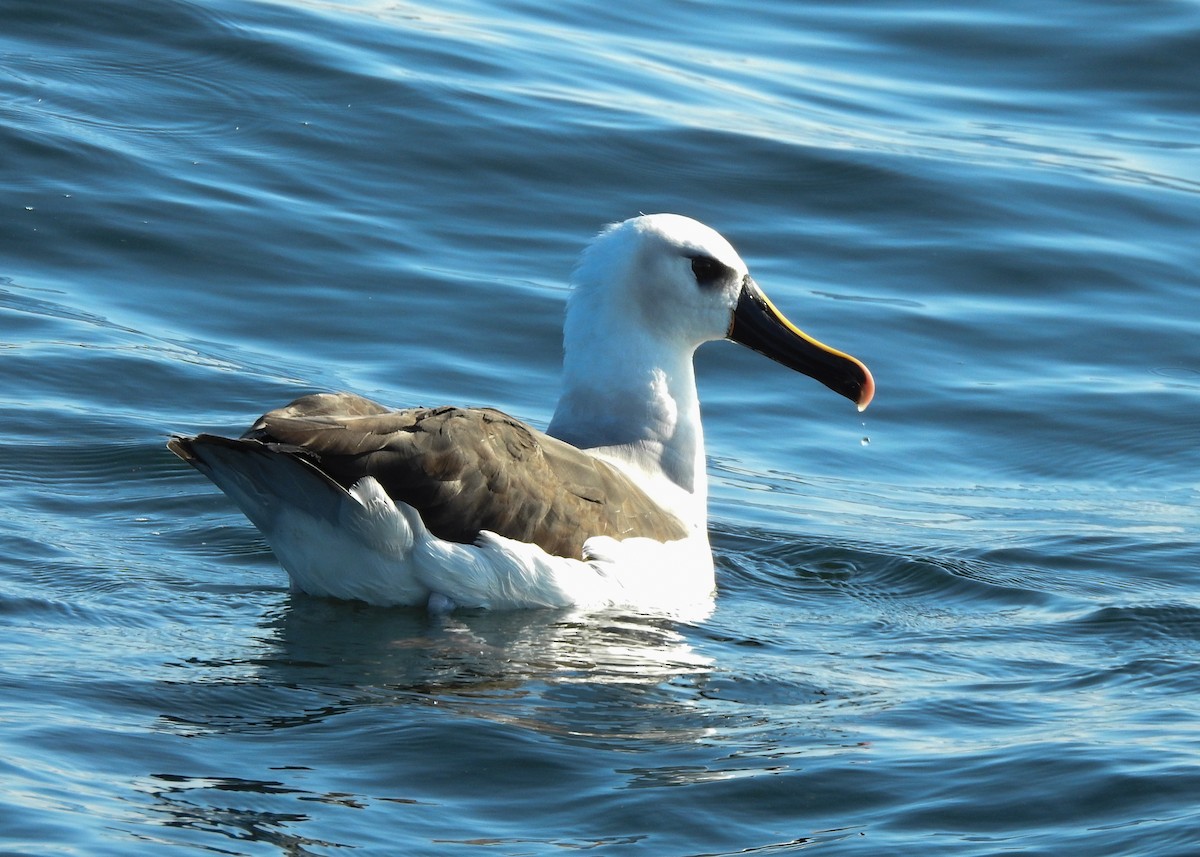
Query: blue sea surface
x=965, y=622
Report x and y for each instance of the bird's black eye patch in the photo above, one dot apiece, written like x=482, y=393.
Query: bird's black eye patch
x=708, y=270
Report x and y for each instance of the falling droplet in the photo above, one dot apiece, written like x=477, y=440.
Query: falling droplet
x=866, y=441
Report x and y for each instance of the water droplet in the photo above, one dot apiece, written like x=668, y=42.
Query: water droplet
x=865, y=441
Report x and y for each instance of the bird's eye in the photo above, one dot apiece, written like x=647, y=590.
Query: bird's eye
x=707, y=270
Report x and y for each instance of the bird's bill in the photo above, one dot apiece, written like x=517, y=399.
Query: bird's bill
x=757, y=324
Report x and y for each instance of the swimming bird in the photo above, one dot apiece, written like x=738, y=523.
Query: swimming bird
x=468, y=507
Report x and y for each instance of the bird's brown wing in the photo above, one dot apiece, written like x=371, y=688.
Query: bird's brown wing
x=468, y=469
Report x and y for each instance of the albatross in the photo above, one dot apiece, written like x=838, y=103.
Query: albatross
x=468, y=507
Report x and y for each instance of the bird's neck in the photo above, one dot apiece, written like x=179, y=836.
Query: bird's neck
x=635, y=404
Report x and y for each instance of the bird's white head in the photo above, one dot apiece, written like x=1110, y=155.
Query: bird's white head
x=668, y=277
x=662, y=284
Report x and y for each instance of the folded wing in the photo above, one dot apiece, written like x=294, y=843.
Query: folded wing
x=465, y=470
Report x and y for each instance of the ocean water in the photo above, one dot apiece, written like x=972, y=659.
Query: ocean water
x=966, y=622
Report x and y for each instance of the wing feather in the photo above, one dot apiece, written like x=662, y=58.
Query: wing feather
x=467, y=470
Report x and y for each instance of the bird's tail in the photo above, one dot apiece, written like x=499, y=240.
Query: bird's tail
x=355, y=544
